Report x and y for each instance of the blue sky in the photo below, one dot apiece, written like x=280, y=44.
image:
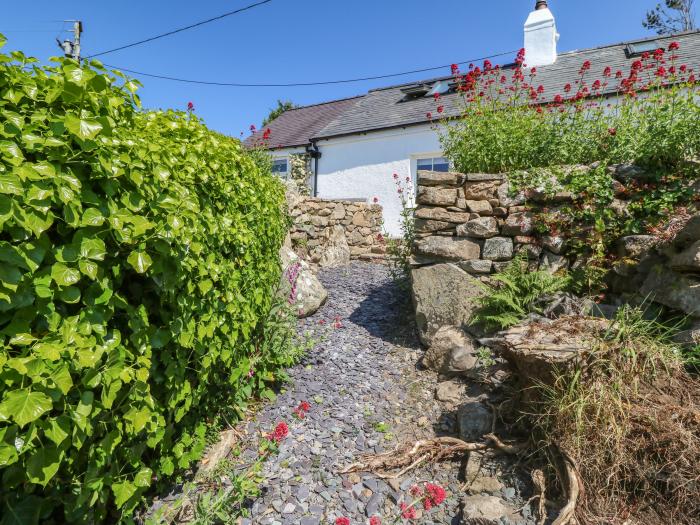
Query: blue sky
x=301, y=41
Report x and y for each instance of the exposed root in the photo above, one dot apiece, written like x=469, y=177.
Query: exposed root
x=403, y=459
x=573, y=484
x=538, y=480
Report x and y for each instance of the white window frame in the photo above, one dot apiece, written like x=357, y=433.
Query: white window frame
x=432, y=158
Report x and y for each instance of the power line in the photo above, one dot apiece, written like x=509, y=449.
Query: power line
x=181, y=29
x=302, y=84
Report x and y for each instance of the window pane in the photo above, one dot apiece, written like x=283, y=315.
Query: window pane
x=425, y=164
x=279, y=166
x=441, y=165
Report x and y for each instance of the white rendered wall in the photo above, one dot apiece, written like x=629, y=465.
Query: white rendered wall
x=362, y=166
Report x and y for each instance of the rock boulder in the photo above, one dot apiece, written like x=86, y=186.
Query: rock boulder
x=443, y=295
x=310, y=293
x=451, y=352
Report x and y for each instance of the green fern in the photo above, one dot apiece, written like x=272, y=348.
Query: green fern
x=512, y=294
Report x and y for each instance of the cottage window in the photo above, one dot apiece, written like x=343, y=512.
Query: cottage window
x=279, y=167
x=434, y=164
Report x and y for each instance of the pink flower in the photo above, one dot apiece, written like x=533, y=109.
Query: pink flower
x=567, y=88
x=674, y=46
x=586, y=66
x=375, y=200
x=305, y=406
x=429, y=115
x=342, y=521
x=374, y=520
x=251, y=372
x=440, y=109
x=455, y=69
x=607, y=71
x=436, y=96
x=396, y=176
x=190, y=106
x=252, y=128
x=266, y=134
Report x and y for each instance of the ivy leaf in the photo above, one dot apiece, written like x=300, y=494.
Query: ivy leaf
x=92, y=248
x=143, y=477
x=88, y=268
x=43, y=465
x=10, y=184
x=24, y=406
x=11, y=152
x=70, y=295
x=139, y=261
x=123, y=492
x=63, y=275
x=92, y=217
x=84, y=129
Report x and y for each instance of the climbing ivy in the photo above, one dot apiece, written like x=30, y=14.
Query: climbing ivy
x=138, y=253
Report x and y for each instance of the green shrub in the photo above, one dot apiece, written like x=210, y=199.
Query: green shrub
x=512, y=294
x=139, y=254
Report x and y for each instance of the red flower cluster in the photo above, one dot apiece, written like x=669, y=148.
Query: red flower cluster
x=266, y=134
x=408, y=512
x=337, y=323
x=374, y=520
x=281, y=431
x=190, y=106
x=342, y=521
x=455, y=69
x=302, y=409
x=434, y=497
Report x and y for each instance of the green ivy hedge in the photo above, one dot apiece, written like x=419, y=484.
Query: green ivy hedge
x=138, y=254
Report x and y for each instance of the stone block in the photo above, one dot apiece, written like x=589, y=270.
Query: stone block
x=427, y=226
x=506, y=199
x=338, y=212
x=498, y=249
x=518, y=224
x=436, y=178
x=448, y=248
x=476, y=266
x=441, y=214
x=480, y=228
x=553, y=263
x=554, y=243
x=634, y=245
x=362, y=218
x=480, y=207
x=474, y=421
x=443, y=295
x=672, y=289
x=452, y=352
x=500, y=212
x=688, y=260
x=437, y=196
x=481, y=190
x=483, y=177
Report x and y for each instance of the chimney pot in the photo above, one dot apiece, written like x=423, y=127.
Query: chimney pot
x=541, y=4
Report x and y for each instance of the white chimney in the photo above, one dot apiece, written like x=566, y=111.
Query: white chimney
x=541, y=36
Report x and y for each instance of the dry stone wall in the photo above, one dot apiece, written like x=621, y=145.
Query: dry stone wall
x=331, y=232
x=469, y=226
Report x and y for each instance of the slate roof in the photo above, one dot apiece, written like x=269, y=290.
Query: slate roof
x=296, y=127
x=388, y=108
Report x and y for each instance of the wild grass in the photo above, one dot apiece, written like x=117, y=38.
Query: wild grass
x=629, y=417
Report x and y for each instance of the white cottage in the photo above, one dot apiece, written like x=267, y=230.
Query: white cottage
x=353, y=147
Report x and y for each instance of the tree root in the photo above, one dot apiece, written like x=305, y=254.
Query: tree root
x=572, y=481
x=403, y=459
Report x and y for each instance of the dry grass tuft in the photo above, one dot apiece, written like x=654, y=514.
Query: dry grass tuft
x=629, y=419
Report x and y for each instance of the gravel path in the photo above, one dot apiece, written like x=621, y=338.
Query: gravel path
x=366, y=394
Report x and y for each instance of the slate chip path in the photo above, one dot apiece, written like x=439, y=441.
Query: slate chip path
x=366, y=395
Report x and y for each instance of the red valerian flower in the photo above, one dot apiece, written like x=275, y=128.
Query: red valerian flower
x=612, y=131
x=440, y=109
x=415, y=491
x=252, y=128
x=691, y=78
x=429, y=115
x=596, y=85
x=436, y=96
x=305, y=406
x=618, y=74
x=375, y=200
x=487, y=65
x=266, y=134
x=637, y=65
x=407, y=513
x=520, y=58
x=436, y=494
x=540, y=89
x=190, y=106
x=674, y=46
x=281, y=431
x=683, y=68
x=607, y=71
x=342, y=521
x=659, y=54
x=396, y=176
x=586, y=66
x=558, y=99
x=567, y=88
x=661, y=72
x=374, y=520
x=455, y=69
